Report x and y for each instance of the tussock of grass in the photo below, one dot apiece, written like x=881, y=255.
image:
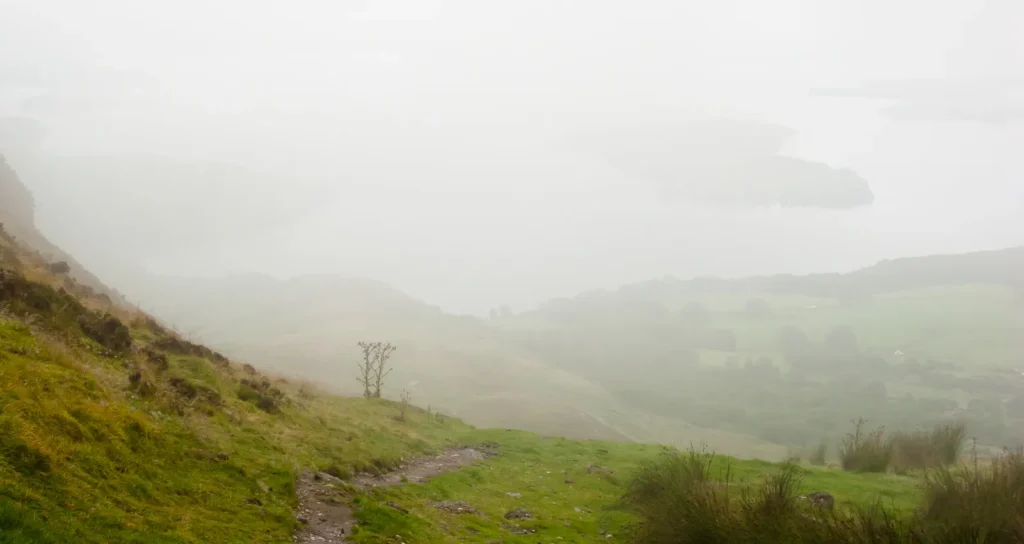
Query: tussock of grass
x=981, y=502
x=863, y=451
x=678, y=499
x=874, y=451
x=938, y=447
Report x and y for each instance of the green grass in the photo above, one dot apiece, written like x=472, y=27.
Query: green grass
x=84, y=460
x=972, y=325
x=582, y=511
x=111, y=445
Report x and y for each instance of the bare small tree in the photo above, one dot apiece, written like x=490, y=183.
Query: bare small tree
x=374, y=367
x=406, y=397
x=382, y=370
x=367, y=367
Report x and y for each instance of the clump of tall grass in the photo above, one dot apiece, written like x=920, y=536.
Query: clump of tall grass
x=938, y=447
x=980, y=503
x=862, y=451
x=678, y=500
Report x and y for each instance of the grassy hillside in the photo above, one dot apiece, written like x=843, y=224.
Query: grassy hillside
x=664, y=361
x=572, y=490
x=114, y=429
x=309, y=327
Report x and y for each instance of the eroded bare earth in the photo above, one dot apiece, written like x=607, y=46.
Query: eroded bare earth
x=324, y=512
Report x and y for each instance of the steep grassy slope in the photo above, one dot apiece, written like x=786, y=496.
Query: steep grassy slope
x=125, y=433
x=87, y=459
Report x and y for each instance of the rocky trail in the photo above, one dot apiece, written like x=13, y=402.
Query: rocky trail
x=324, y=512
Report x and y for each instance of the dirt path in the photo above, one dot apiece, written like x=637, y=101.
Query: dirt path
x=324, y=512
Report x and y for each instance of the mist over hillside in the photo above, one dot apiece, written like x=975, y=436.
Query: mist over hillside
x=454, y=271
x=423, y=175
x=434, y=148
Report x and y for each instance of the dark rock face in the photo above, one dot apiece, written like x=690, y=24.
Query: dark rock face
x=17, y=206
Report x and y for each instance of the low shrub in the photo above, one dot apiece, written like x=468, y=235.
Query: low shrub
x=866, y=451
x=261, y=393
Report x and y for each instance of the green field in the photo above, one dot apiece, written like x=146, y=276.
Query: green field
x=570, y=502
x=975, y=325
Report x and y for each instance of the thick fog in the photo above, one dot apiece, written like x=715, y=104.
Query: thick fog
x=482, y=153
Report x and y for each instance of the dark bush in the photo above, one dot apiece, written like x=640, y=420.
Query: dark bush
x=173, y=344
x=59, y=310
x=183, y=387
x=267, y=404
x=107, y=331
x=261, y=393
x=59, y=267
x=191, y=391
x=157, y=359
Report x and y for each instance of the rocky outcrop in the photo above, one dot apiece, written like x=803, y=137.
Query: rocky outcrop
x=17, y=215
x=17, y=207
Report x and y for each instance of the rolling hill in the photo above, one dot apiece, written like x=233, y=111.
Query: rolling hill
x=621, y=364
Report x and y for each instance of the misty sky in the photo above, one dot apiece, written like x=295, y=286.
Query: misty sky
x=445, y=129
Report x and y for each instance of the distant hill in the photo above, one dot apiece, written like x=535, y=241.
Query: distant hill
x=17, y=205
x=1003, y=267
x=725, y=162
x=574, y=366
